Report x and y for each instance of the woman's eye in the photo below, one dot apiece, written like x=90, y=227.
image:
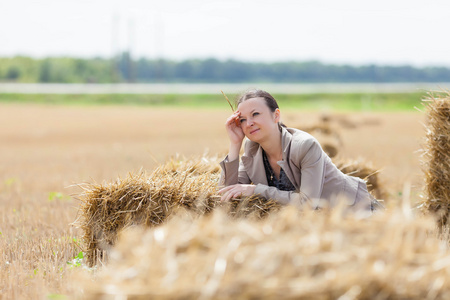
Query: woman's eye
x=256, y=113
x=241, y=120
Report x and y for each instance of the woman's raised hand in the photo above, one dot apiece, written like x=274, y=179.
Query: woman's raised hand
x=234, y=129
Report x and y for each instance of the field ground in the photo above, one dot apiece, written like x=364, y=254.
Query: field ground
x=46, y=149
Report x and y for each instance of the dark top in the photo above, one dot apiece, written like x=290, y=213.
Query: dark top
x=284, y=184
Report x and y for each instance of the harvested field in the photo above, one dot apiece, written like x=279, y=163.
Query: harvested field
x=47, y=149
x=50, y=148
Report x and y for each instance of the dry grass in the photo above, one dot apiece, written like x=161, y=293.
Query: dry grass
x=51, y=148
x=36, y=243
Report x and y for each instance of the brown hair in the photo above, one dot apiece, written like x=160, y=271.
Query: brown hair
x=268, y=98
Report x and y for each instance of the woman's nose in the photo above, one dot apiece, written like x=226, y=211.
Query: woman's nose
x=249, y=122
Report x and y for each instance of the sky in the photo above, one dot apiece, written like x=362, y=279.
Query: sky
x=355, y=32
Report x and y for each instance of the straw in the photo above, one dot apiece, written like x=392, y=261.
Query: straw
x=289, y=255
x=436, y=156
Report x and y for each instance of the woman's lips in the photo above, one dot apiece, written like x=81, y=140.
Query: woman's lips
x=253, y=131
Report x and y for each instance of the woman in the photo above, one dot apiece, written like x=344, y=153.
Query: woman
x=284, y=164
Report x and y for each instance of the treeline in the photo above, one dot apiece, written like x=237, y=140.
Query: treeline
x=124, y=69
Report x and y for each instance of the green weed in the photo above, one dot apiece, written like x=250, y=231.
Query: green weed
x=76, y=261
x=56, y=297
x=52, y=196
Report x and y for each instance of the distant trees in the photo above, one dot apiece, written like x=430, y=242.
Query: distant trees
x=125, y=69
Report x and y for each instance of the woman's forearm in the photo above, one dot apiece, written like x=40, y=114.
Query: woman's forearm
x=296, y=198
x=234, y=150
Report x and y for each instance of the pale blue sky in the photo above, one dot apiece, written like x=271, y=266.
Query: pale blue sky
x=347, y=31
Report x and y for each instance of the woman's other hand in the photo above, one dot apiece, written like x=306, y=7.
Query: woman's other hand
x=236, y=190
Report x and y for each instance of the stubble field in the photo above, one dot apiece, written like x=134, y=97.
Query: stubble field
x=46, y=150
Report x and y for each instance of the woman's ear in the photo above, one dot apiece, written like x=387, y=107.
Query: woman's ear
x=277, y=115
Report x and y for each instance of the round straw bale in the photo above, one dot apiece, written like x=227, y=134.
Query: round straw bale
x=365, y=171
x=345, y=122
x=330, y=149
x=328, y=138
x=436, y=155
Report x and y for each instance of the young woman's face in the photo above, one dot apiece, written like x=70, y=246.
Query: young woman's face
x=256, y=119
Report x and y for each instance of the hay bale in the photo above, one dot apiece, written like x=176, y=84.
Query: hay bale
x=329, y=146
x=328, y=138
x=436, y=156
x=289, y=255
x=365, y=171
x=150, y=200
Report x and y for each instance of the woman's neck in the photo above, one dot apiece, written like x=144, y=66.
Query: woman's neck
x=272, y=147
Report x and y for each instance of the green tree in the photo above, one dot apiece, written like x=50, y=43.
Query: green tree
x=45, y=71
x=13, y=73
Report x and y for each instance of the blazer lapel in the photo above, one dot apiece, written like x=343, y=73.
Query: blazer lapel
x=254, y=166
x=286, y=138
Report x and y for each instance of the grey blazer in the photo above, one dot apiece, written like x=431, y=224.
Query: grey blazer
x=308, y=167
